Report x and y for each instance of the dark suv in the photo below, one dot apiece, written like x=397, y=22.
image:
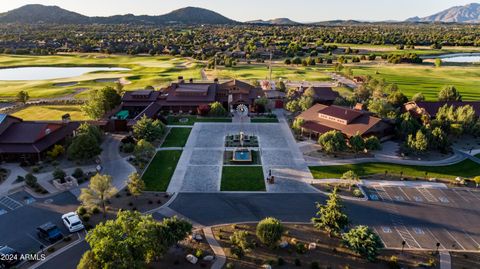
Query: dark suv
x=49, y=232
x=10, y=257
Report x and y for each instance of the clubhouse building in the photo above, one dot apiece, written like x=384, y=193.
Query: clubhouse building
x=320, y=119
x=29, y=141
x=187, y=97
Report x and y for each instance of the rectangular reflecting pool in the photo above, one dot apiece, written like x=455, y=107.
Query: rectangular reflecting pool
x=242, y=155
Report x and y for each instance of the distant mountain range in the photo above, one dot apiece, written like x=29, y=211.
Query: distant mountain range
x=54, y=14
x=194, y=15
x=460, y=14
x=278, y=21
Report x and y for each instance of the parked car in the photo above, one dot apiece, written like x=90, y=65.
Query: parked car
x=72, y=222
x=49, y=232
x=10, y=257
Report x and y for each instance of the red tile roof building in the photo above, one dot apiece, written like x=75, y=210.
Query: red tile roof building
x=30, y=140
x=320, y=119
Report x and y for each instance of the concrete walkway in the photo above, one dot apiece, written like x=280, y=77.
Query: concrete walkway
x=9, y=184
x=220, y=257
x=456, y=158
x=445, y=260
x=112, y=163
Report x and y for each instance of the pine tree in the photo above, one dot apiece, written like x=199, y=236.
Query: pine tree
x=331, y=217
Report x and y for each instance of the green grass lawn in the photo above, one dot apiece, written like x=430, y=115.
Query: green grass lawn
x=175, y=120
x=177, y=137
x=264, y=120
x=420, y=50
x=51, y=112
x=160, y=171
x=426, y=79
x=251, y=72
x=465, y=169
x=242, y=178
x=145, y=70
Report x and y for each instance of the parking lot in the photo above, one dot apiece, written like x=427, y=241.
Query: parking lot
x=21, y=214
x=423, y=217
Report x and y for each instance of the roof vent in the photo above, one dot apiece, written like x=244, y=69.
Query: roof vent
x=47, y=131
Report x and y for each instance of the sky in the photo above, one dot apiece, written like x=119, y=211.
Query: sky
x=244, y=10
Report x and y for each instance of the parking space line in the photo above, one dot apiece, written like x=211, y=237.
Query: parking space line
x=461, y=196
x=36, y=240
x=428, y=195
x=407, y=236
x=454, y=239
x=10, y=203
x=380, y=236
x=471, y=238
x=383, y=193
x=445, y=199
x=473, y=194
x=404, y=193
x=434, y=237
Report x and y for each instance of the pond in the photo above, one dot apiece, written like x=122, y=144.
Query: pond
x=45, y=73
x=461, y=58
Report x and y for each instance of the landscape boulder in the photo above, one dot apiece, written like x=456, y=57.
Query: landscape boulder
x=191, y=259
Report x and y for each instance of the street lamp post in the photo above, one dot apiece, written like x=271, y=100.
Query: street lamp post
x=403, y=245
x=438, y=245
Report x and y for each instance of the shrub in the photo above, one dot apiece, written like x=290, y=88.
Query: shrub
x=198, y=253
x=78, y=173
x=128, y=147
x=31, y=180
x=357, y=193
x=269, y=231
x=230, y=265
x=95, y=210
x=300, y=248
x=298, y=263
x=86, y=217
x=314, y=265
x=56, y=151
x=36, y=169
x=81, y=210
x=59, y=174
x=240, y=243
x=280, y=261
x=393, y=262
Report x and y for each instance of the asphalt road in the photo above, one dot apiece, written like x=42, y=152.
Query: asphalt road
x=420, y=217
x=68, y=259
x=18, y=225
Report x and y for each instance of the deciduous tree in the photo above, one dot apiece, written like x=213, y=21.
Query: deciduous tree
x=23, y=97
x=135, y=184
x=131, y=240
x=449, y=93
x=98, y=192
x=148, y=129
x=332, y=141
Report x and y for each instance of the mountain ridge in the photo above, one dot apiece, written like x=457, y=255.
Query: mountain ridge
x=276, y=21
x=458, y=14
x=35, y=13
